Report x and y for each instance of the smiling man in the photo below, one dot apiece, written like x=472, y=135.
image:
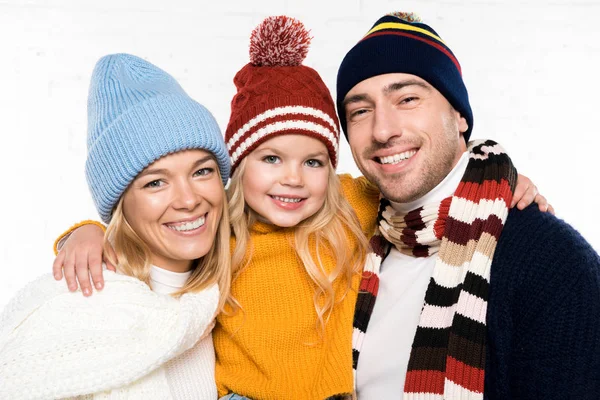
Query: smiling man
x=461, y=298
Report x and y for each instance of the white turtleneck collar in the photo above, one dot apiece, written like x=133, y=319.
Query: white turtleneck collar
x=444, y=189
x=166, y=282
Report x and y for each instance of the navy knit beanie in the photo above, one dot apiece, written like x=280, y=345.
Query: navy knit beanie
x=401, y=43
x=137, y=113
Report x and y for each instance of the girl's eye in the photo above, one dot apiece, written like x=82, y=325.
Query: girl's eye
x=313, y=163
x=154, y=184
x=204, y=171
x=271, y=159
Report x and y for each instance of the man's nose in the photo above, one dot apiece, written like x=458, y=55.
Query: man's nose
x=386, y=124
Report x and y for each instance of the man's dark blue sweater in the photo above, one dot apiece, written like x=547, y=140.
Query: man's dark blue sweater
x=543, y=314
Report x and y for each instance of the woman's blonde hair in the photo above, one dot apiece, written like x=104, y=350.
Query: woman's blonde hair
x=326, y=231
x=134, y=257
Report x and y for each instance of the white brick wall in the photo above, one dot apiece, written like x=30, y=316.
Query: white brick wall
x=531, y=68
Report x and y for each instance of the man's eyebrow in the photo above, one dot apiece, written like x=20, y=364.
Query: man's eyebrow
x=393, y=87
x=357, y=98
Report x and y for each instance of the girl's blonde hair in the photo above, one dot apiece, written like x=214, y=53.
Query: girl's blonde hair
x=134, y=257
x=326, y=231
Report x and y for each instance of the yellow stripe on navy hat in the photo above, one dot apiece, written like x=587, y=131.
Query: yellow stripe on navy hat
x=404, y=27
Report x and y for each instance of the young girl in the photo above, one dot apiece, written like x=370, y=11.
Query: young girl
x=156, y=168
x=298, y=244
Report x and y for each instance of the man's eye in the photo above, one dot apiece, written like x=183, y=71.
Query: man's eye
x=271, y=159
x=358, y=112
x=357, y=115
x=407, y=100
x=153, y=184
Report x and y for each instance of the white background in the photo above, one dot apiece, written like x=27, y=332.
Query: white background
x=531, y=67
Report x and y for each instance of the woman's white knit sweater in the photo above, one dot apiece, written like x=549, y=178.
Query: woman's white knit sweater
x=124, y=342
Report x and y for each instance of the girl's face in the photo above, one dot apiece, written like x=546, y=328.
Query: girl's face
x=175, y=205
x=285, y=179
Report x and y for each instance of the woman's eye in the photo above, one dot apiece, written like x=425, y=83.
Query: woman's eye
x=271, y=159
x=153, y=184
x=314, y=163
x=204, y=172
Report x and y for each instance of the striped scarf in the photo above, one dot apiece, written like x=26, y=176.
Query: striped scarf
x=447, y=358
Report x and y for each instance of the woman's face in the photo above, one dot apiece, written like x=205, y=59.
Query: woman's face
x=175, y=206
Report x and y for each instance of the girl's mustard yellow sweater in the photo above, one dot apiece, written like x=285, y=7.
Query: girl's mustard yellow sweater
x=271, y=349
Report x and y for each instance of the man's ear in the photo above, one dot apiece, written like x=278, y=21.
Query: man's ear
x=462, y=123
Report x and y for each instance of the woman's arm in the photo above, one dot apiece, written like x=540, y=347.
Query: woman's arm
x=56, y=344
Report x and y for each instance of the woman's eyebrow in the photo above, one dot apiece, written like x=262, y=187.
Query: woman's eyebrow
x=203, y=160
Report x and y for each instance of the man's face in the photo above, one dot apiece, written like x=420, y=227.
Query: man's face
x=404, y=135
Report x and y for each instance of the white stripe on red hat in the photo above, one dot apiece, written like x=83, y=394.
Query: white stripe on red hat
x=274, y=112
x=279, y=126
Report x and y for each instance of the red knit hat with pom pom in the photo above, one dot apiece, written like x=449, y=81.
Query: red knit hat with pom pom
x=277, y=95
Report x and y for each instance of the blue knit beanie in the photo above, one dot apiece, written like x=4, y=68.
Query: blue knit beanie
x=401, y=43
x=138, y=113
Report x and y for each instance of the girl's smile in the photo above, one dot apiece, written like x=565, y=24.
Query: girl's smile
x=285, y=179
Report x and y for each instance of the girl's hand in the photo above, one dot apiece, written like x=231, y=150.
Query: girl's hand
x=526, y=193
x=82, y=256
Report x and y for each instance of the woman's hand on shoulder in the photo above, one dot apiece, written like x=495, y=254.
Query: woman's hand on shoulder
x=81, y=256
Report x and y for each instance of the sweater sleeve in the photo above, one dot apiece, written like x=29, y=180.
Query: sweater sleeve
x=60, y=240
x=56, y=344
x=545, y=326
x=363, y=197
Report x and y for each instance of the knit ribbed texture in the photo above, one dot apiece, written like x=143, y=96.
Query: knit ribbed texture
x=56, y=344
x=543, y=315
x=264, y=352
x=277, y=98
x=419, y=232
x=447, y=357
x=138, y=113
x=191, y=375
x=399, y=43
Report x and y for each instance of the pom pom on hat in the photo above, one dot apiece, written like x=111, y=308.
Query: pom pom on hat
x=279, y=41
x=278, y=95
x=406, y=16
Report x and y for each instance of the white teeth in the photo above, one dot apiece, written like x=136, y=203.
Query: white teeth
x=287, y=199
x=188, y=226
x=396, y=158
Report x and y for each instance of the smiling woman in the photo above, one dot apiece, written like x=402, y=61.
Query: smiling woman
x=175, y=206
x=156, y=168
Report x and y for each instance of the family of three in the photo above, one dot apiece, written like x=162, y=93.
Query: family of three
x=418, y=280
